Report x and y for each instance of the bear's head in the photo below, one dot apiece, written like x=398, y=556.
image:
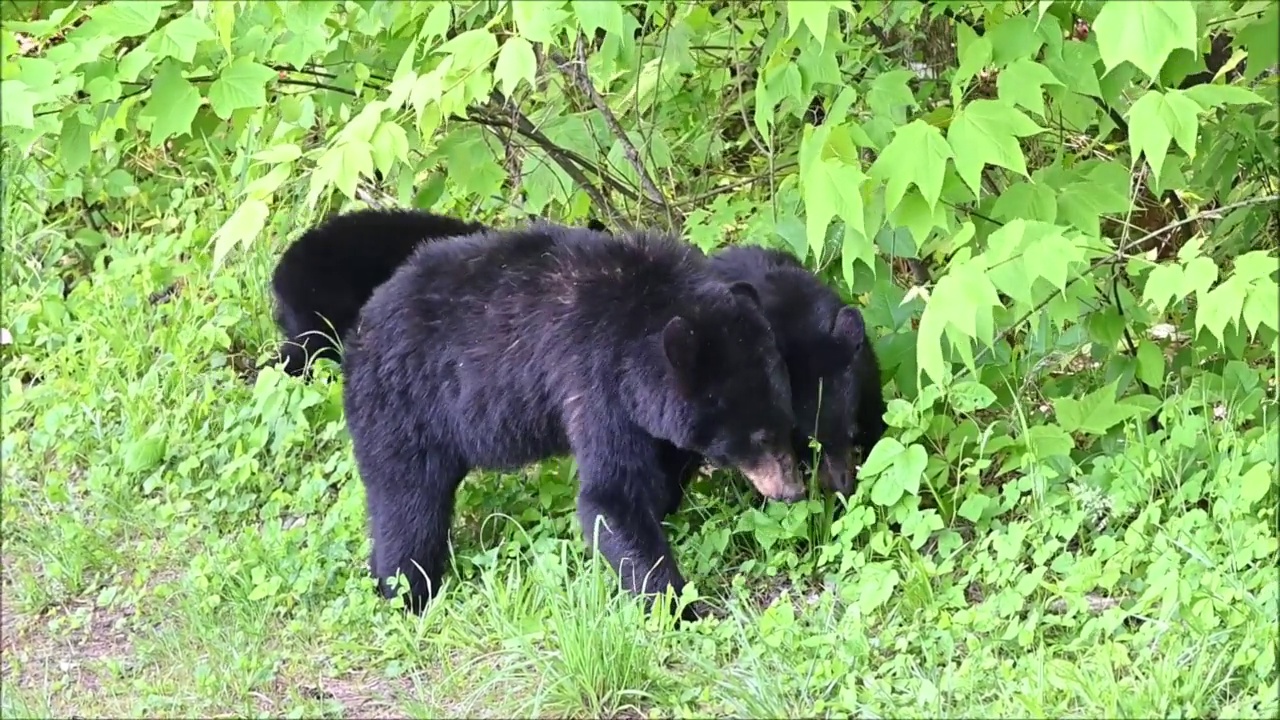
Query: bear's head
x=827, y=387
x=727, y=371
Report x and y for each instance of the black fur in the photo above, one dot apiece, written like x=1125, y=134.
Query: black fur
x=835, y=377
x=327, y=274
x=499, y=349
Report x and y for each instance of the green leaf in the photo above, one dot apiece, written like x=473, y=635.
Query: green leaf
x=961, y=306
x=16, y=105
x=815, y=14
x=1212, y=96
x=889, y=94
x=1261, y=308
x=969, y=396
x=1155, y=119
x=536, y=21
x=282, y=153
x=74, y=144
x=389, y=143
x=1220, y=306
x=603, y=14
x=143, y=454
x=1164, y=284
x=902, y=477
x=471, y=49
x=917, y=155
x=973, y=507
x=341, y=166
x=986, y=132
x=125, y=18
x=882, y=456
x=1022, y=83
x=516, y=62
x=1198, y=275
x=242, y=84
x=180, y=37
x=831, y=187
x=1257, y=482
x=1150, y=363
x=1095, y=413
x=172, y=105
x=1046, y=441
x=242, y=227
x=1144, y=33
x=1262, y=39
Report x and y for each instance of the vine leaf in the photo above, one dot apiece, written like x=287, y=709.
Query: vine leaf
x=1144, y=33
x=815, y=14
x=16, y=104
x=917, y=155
x=986, y=132
x=1155, y=119
x=242, y=84
x=125, y=18
x=962, y=307
x=594, y=14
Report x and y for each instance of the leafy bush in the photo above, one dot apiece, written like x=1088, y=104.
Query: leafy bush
x=1058, y=217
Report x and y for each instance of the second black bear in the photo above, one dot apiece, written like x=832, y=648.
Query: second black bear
x=502, y=348
x=325, y=277
x=835, y=377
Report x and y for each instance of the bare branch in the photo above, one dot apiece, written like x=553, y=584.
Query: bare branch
x=576, y=72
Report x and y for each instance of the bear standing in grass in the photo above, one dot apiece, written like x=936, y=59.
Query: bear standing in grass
x=835, y=377
x=325, y=277
x=499, y=349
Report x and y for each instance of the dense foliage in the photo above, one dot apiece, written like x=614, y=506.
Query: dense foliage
x=1058, y=216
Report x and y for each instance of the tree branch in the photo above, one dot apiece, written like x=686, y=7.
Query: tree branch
x=576, y=72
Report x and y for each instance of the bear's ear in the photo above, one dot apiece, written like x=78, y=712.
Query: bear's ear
x=594, y=224
x=680, y=345
x=746, y=290
x=850, y=328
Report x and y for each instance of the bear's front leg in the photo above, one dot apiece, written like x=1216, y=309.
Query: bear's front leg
x=622, y=498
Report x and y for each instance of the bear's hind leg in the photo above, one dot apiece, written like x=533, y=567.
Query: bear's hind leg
x=410, y=505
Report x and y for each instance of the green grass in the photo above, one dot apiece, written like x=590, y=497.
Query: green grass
x=183, y=537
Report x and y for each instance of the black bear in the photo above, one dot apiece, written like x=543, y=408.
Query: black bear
x=835, y=377
x=502, y=348
x=325, y=277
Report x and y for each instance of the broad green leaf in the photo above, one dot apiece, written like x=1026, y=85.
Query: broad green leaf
x=144, y=453
x=1046, y=441
x=970, y=396
x=1164, y=285
x=1095, y=413
x=1198, y=275
x=242, y=84
x=180, y=37
x=882, y=456
x=16, y=104
x=224, y=22
x=1257, y=482
x=889, y=94
x=1144, y=33
x=1212, y=96
x=986, y=132
x=902, y=477
x=1022, y=83
x=470, y=49
x=536, y=21
x=1155, y=119
x=1220, y=306
x=974, y=54
x=961, y=304
x=832, y=188
x=516, y=62
x=389, y=143
x=284, y=152
x=917, y=155
x=1150, y=363
x=1262, y=308
x=1029, y=201
x=74, y=146
x=242, y=227
x=973, y=507
x=603, y=14
x=125, y=18
x=172, y=105
x=1262, y=40
x=1014, y=39
x=341, y=166
x=263, y=187
x=815, y=14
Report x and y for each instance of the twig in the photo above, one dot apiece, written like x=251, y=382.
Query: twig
x=576, y=72
x=559, y=155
